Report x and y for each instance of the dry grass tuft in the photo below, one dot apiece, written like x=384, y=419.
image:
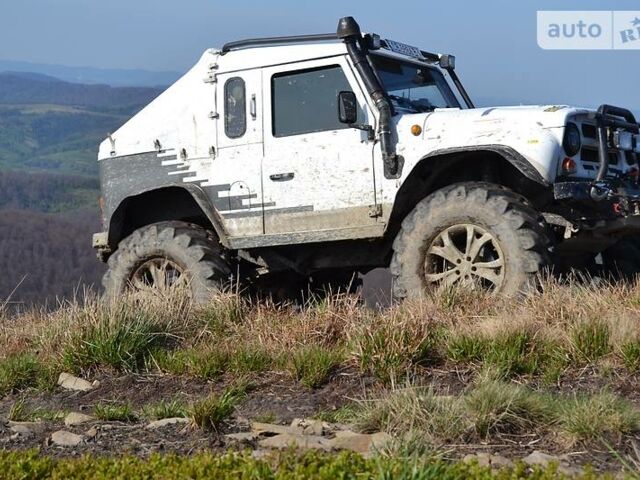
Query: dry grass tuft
x=544, y=334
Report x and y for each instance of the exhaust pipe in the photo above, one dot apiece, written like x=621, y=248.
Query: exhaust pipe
x=349, y=32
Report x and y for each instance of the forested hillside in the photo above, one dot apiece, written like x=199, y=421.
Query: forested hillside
x=46, y=256
x=49, y=134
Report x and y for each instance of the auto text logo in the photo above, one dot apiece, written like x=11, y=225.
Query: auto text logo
x=601, y=30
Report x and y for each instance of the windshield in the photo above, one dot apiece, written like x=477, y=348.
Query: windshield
x=412, y=87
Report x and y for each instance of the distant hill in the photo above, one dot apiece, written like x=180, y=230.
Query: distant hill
x=44, y=256
x=91, y=75
x=47, y=192
x=32, y=88
x=46, y=222
x=47, y=124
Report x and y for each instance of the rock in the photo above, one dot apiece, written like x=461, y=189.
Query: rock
x=75, y=418
x=270, y=429
x=309, y=427
x=359, y=442
x=540, y=458
x=259, y=454
x=488, y=460
x=543, y=459
x=63, y=438
x=21, y=431
x=69, y=382
x=288, y=440
x=167, y=421
x=243, y=423
x=91, y=433
x=242, y=437
x=33, y=427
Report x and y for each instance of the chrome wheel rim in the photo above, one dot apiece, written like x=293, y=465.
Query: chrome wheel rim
x=465, y=255
x=157, y=274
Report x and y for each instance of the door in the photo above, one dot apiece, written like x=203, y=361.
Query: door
x=317, y=173
x=235, y=184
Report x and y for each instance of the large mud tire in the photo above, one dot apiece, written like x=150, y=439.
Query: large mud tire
x=516, y=230
x=194, y=251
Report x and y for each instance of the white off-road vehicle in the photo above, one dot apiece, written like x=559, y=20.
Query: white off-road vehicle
x=277, y=160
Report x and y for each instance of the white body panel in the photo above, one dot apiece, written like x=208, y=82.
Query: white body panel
x=337, y=183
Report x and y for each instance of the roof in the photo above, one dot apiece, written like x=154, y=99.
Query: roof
x=256, y=57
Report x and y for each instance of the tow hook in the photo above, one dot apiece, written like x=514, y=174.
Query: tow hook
x=600, y=191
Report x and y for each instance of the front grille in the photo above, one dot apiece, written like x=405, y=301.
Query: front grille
x=589, y=131
x=591, y=155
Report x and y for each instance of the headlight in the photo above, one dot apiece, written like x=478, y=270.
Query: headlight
x=623, y=140
x=572, y=141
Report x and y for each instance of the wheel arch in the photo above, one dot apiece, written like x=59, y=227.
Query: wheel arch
x=174, y=202
x=490, y=163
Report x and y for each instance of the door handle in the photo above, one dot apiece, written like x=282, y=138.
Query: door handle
x=253, y=109
x=282, y=177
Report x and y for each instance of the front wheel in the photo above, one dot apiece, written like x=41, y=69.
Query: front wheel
x=165, y=256
x=469, y=235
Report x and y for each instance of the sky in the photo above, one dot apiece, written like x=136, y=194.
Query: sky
x=494, y=41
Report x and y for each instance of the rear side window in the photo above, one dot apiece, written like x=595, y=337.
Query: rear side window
x=306, y=101
x=235, y=108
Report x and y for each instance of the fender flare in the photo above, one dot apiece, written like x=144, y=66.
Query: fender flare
x=508, y=153
x=195, y=192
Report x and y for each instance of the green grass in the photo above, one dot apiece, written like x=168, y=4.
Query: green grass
x=28, y=465
x=248, y=359
x=312, y=365
x=208, y=364
x=122, y=338
x=465, y=347
x=591, y=340
x=593, y=417
x=343, y=414
x=630, y=353
x=165, y=409
x=498, y=407
x=115, y=412
x=22, y=371
x=210, y=412
x=492, y=408
x=514, y=353
x=21, y=412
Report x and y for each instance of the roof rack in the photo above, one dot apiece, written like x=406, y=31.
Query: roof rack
x=258, y=42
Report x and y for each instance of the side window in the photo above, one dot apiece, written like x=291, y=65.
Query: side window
x=306, y=101
x=235, y=108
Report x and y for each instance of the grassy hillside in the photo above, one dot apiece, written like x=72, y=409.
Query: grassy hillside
x=545, y=382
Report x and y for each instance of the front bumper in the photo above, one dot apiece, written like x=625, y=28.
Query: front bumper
x=611, y=192
x=100, y=242
x=616, y=198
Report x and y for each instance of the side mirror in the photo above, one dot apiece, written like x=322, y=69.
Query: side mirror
x=347, y=108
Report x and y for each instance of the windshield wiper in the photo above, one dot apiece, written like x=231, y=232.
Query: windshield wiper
x=403, y=102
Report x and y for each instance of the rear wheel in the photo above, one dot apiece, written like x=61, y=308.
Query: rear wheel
x=165, y=256
x=469, y=235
